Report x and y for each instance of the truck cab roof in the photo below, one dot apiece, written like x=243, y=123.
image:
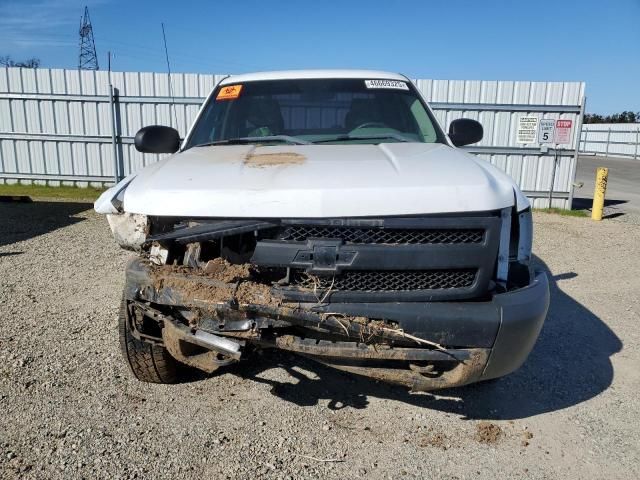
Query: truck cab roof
x=312, y=74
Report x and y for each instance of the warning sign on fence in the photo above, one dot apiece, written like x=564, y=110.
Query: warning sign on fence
x=563, y=131
x=527, y=129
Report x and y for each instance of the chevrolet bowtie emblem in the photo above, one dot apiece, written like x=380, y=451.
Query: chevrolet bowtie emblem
x=324, y=256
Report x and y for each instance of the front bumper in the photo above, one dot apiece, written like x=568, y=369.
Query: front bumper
x=475, y=340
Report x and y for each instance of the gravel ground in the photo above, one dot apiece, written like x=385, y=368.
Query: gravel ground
x=71, y=409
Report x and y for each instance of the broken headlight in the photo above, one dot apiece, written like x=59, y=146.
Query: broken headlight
x=129, y=229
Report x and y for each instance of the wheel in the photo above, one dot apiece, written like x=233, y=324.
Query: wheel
x=148, y=362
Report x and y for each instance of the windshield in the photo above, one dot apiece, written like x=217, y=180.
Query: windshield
x=315, y=111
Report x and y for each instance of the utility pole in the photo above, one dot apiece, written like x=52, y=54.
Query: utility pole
x=88, y=59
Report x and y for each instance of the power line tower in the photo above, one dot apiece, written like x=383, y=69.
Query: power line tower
x=88, y=58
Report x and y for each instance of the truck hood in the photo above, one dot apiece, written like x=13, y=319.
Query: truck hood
x=316, y=181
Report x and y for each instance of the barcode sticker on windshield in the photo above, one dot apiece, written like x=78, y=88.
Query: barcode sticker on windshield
x=386, y=84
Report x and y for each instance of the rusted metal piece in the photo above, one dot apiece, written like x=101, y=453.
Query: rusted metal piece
x=360, y=351
x=203, y=339
x=183, y=346
x=462, y=374
x=205, y=361
x=454, y=368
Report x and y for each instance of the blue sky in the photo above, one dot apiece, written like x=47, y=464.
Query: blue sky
x=594, y=41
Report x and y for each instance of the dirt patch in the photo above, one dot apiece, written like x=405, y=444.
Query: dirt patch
x=217, y=269
x=256, y=293
x=274, y=159
x=218, y=281
x=487, y=432
x=224, y=271
x=192, y=289
x=526, y=436
x=435, y=440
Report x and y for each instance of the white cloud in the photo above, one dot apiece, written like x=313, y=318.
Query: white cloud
x=30, y=24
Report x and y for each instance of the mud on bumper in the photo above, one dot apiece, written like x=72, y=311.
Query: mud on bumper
x=205, y=322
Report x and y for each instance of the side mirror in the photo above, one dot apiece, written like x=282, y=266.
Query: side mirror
x=157, y=139
x=465, y=131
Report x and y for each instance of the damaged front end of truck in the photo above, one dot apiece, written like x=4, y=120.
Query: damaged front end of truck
x=408, y=300
x=325, y=213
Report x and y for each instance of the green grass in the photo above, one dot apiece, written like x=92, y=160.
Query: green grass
x=564, y=213
x=45, y=191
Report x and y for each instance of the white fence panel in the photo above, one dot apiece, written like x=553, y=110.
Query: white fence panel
x=611, y=139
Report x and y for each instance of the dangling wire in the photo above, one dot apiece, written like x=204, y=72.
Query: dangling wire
x=166, y=54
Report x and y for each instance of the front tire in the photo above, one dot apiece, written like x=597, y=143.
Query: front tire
x=148, y=362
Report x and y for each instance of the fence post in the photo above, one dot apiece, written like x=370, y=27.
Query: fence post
x=112, y=107
x=606, y=149
x=113, y=122
x=553, y=175
x=635, y=155
x=583, y=103
x=118, y=129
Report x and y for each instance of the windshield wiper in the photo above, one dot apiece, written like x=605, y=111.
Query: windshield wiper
x=243, y=140
x=381, y=136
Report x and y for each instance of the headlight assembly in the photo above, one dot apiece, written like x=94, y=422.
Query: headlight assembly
x=129, y=229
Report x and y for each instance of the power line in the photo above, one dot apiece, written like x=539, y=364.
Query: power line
x=88, y=59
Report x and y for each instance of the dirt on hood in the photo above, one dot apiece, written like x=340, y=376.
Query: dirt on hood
x=261, y=160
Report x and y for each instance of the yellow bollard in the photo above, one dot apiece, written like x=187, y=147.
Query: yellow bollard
x=602, y=175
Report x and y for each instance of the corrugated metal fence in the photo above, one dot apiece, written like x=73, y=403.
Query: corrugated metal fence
x=56, y=125
x=611, y=139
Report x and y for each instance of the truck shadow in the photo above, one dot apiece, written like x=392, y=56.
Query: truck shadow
x=569, y=364
x=22, y=221
x=585, y=203
x=612, y=207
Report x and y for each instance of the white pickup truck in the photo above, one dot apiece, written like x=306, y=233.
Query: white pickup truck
x=326, y=213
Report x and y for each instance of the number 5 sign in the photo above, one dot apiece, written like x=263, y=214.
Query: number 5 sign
x=546, y=130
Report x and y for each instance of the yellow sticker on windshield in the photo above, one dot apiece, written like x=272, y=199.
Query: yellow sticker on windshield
x=230, y=92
